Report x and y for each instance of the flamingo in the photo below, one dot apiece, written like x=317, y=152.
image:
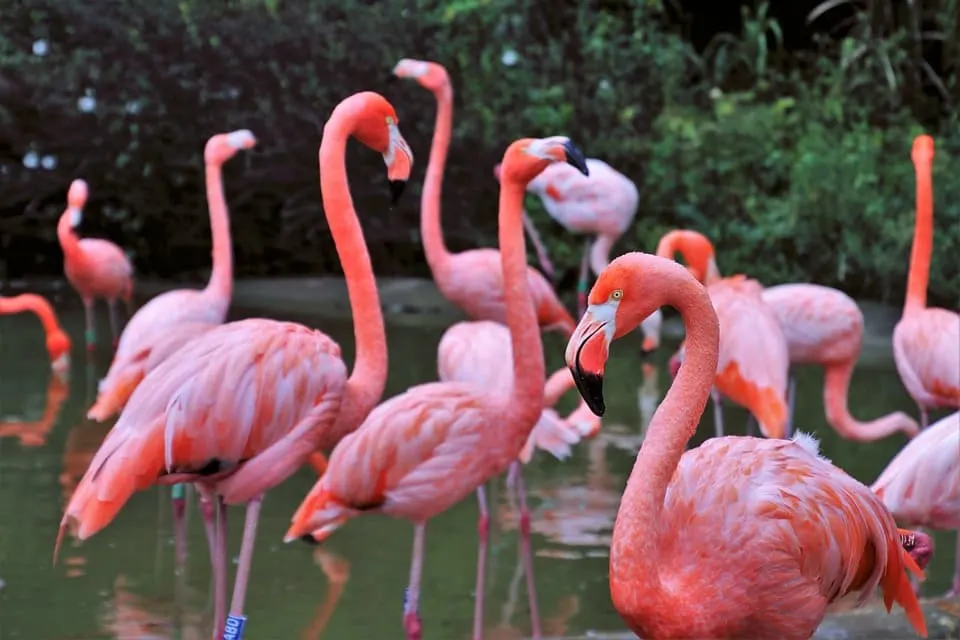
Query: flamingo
x=58, y=343
x=754, y=358
x=741, y=537
x=95, y=268
x=926, y=341
x=240, y=410
x=921, y=485
x=423, y=451
x=471, y=280
x=474, y=353
x=825, y=326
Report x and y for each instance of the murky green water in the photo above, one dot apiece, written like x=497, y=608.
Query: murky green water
x=121, y=583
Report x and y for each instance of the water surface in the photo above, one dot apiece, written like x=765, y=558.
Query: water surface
x=122, y=583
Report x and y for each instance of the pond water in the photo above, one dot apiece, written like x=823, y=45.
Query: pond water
x=122, y=583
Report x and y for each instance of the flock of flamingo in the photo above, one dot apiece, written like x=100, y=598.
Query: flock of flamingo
x=741, y=537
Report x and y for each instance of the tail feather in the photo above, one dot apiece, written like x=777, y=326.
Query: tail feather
x=129, y=461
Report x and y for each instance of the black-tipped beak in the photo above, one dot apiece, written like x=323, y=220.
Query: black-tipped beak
x=576, y=159
x=309, y=539
x=396, y=190
x=590, y=386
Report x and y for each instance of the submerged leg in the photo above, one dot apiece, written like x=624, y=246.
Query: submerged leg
x=220, y=571
x=412, y=625
x=91, y=324
x=236, y=620
x=717, y=412
x=526, y=553
x=539, y=248
x=178, y=502
x=582, y=280
x=483, y=530
x=114, y=322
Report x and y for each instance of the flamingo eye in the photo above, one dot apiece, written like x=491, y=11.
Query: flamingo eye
x=617, y=294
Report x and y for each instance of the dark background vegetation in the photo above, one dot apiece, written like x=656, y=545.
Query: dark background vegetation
x=782, y=129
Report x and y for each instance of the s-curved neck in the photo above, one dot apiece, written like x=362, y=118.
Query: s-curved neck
x=221, y=276
x=369, y=376
x=431, y=229
x=36, y=304
x=636, y=534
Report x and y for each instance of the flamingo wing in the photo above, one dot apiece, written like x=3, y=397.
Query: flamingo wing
x=921, y=485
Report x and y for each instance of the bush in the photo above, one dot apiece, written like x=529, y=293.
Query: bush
x=797, y=164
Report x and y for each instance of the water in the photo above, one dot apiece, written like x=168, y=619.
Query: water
x=121, y=583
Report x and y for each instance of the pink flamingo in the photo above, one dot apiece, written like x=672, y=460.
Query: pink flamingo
x=423, y=451
x=151, y=326
x=239, y=411
x=825, y=326
x=754, y=358
x=95, y=268
x=741, y=537
x=471, y=280
x=926, y=341
x=474, y=353
x=58, y=343
x=921, y=485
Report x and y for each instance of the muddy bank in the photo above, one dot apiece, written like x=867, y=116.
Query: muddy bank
x=869, y=623
x=413, y=301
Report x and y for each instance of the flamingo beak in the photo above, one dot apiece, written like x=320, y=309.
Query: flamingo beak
x=587, y=354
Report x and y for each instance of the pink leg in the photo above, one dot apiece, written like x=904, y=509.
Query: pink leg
x=483, y=529
x=955, y=590
x=526, y=552
x=220, y=571
x=236, y=621
x=411, y=603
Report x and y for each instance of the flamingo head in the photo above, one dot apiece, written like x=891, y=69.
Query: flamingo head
x=377, y=127
x=696, y=249
x=58, y=346
x=224, y=146
x=525, y=159
x=430, y=75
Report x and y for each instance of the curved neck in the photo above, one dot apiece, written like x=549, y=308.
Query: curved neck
x=526, y=396
x=600, y=253
x=221, y=276
x=34, y=303
x=835, y=389
x=633, y=554
x=922, y=241
x=69, y=241
x=431, y=230
x=369, y=376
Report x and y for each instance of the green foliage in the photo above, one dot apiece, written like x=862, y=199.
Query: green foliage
x=796, y=164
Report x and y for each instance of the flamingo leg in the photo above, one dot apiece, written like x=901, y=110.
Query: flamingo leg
x=412, y=624
x=483, y=530
x=236, y=619
x=114, y=322
x=717, y=412
x=541, y=250
x=178, y=502
x=526, y=553
x=91, y=334
x=220, y=570
x=582, y=280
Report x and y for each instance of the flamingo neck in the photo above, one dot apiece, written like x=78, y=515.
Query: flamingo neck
x=526, y=396
x=919, y=275
x=36, y=304
x=369, y=376
x=634, y=554
x=835, y=389
x=69, y=241
x=221, y=276
x=431, y=229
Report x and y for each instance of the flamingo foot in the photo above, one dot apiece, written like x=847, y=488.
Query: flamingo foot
x=412, y=625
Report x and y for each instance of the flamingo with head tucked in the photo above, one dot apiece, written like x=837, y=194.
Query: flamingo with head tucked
x=240, y=410
x=95, y=268
x=740, y=537
x=423, y=451
x=926, y=341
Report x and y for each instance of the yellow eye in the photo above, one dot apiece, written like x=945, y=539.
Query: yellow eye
x=617, y=294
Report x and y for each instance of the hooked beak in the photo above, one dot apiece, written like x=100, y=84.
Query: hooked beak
x=586, y=357
x=575, y=158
